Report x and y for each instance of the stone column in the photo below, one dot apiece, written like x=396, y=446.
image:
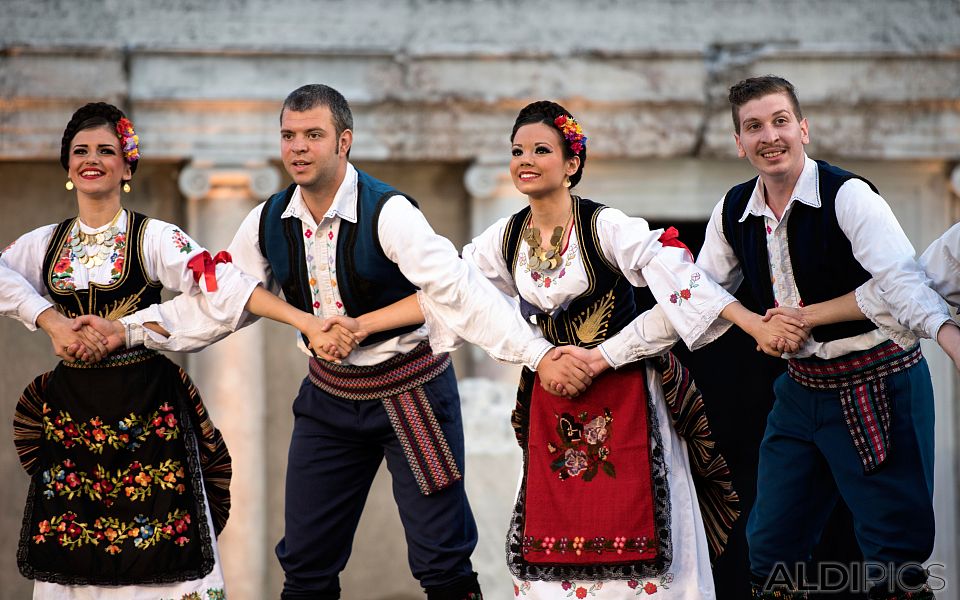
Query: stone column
x=230, y=374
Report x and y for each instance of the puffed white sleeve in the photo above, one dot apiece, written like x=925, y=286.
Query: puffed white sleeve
x=199, y=316
x=882, y=249
x=941, y=262
x=485, y=253
x=689, y=300
x=22, y=291
x=456, y=298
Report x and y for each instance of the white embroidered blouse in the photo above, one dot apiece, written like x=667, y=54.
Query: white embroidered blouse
x=688, y=303
x=166, y=252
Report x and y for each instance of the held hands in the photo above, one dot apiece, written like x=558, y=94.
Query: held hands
x=567, y=371
x=781, y=329
x=67, y=343
x=92, y=327
x=333, y=338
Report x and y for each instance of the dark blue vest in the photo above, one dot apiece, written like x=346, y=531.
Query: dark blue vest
x=604, y=308
x=366, y=278
x=823, y=263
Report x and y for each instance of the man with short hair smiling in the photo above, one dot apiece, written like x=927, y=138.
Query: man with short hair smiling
x=854, y=414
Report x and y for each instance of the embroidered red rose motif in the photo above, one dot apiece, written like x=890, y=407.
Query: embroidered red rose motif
x=650, y=588
x=581, y=592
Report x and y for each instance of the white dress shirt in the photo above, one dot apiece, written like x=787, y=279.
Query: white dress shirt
x=876, y=238
x=479, y=313
x=941, y=263
x=166, y=253
x=629, y=245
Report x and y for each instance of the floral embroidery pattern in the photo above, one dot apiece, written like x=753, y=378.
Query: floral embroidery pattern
x=521, y=589
x=579, y=591
x=332, y=262
x=578, y=545
x=136, y=481
x=142, y=531
x=329, y=271
x=544, y=278
x=678, y=296
x=118, y=257
x=182, y=242
x=129, y=433
x=650, y=588
x=581, y=451
x=62, y=276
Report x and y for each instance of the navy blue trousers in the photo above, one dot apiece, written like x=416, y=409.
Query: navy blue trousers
x=335, y=452
x=807, y=458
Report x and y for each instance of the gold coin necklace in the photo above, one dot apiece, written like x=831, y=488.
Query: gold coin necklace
x=93, y=249
x=539, y=259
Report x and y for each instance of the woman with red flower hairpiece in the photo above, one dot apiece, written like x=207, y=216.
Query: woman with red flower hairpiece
x=130, y=480
x=609, y=491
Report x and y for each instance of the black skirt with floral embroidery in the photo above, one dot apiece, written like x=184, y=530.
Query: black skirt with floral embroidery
x=118, y=455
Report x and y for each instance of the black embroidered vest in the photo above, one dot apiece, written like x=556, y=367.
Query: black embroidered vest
x=131, y=291
x=605, y=307
x=366, y=278
x=823, y=263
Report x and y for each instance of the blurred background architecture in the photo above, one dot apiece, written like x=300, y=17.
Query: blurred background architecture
x=435, y=86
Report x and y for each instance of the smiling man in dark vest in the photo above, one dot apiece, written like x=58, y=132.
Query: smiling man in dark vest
x=853, y=416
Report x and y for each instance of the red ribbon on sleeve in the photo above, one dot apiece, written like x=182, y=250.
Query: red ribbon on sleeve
x=203, y=264
x=671, y=237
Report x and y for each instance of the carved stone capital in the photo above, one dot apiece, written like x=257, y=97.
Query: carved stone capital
x=203, y=179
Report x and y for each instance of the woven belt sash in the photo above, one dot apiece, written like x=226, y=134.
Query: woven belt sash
x=121, y=358
x=860, y=378
x=398, y=383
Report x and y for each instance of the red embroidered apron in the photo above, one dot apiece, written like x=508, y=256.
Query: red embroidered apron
x=589, y=494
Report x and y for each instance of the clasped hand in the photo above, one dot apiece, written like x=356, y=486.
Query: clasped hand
x=90, y=338
x=569, y=370
x=782, y=329
x=87, y=338
x=333, y=338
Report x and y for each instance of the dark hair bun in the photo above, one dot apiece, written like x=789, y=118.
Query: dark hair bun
x=546, y=112
x=95, y=114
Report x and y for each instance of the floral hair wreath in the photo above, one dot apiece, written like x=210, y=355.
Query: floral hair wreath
x=130, y=140
x=572, y=132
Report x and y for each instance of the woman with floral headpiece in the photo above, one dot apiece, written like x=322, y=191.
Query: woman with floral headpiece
x=622, y=493
x=129, y=478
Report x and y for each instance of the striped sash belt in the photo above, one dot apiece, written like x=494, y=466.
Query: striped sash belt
x=398, y=383
x=860, y=378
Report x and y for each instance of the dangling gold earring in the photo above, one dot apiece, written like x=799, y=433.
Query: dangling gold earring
x=566, y=181
x=126, y=187
x=68, y=185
